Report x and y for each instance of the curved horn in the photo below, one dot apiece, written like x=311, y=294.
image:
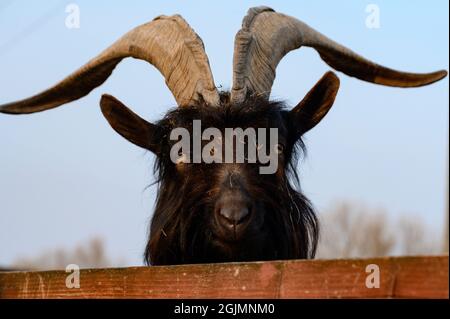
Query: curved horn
x=267, y=36
x=168, y=43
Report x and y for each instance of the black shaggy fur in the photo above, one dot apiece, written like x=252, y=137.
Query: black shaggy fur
x=181, y=230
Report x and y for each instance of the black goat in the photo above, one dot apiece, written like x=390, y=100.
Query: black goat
x=211, y=211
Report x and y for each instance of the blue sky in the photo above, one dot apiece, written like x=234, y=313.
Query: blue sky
x=65, y=175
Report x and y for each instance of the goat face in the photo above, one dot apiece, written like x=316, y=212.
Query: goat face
x=223, y=211
x=209, y=212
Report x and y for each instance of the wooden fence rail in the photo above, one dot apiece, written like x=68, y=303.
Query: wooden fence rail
x=400, y=277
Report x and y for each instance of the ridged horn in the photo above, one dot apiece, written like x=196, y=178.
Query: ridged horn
x=168, y=43
x=267, y=36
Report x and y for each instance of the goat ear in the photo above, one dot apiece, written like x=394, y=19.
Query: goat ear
x=316, y=104
x=128, y=124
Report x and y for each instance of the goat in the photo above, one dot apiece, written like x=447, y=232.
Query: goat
x=218, y=212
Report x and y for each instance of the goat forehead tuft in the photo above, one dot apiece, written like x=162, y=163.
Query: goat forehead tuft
x=253, y=112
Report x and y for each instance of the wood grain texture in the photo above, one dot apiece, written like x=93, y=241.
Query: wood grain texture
x=401, y=277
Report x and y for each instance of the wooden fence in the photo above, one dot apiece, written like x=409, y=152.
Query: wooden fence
x=400, y=277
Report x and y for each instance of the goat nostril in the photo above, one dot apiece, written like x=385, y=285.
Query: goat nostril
x=234, y=216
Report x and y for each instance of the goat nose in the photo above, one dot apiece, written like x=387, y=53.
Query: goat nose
x=234, y=215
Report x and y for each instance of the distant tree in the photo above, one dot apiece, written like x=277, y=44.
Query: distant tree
x=353, y=231
x=87, y=255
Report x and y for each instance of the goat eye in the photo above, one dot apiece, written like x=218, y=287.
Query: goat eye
x=279, y=148
x=182, y=157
